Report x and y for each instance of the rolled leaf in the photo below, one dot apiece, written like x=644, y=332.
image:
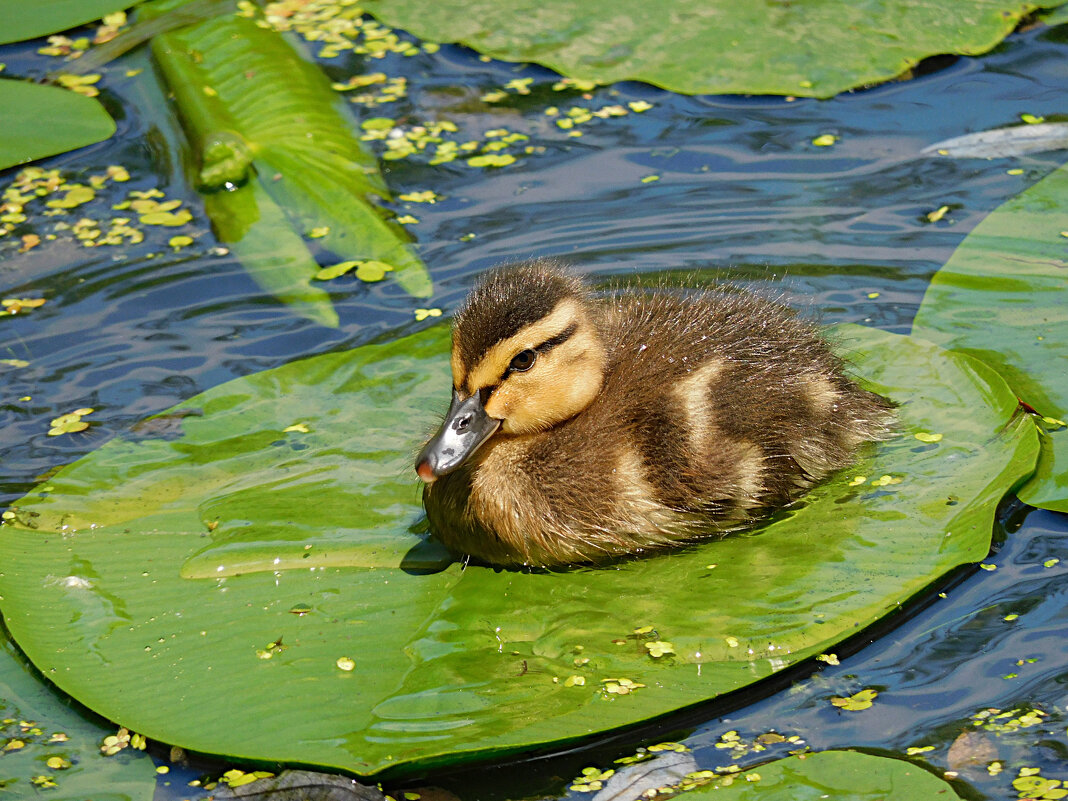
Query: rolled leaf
x=258, y=112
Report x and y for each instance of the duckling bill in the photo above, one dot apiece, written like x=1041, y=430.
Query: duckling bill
x=582, y=427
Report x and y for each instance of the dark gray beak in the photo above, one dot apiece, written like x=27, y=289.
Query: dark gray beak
x=465, y=428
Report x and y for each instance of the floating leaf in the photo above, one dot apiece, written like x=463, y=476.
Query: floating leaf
x=42, y=121
x=829, y=774
x=1012, y=266
x=713, y=46
x=185, y=552
x=24, y=20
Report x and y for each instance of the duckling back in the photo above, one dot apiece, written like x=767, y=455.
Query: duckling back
x=706, y=408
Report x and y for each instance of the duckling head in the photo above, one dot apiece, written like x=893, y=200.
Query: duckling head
x=526, y=356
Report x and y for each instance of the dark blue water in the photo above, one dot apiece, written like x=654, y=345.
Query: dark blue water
x=741, y=193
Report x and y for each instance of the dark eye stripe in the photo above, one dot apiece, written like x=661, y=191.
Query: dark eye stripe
x=559, y=339
x=544, y=347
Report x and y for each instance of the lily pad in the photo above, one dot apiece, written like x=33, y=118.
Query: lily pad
x=42, y=121
x=821, y=47
x=841, y=775
x=24, y=20
x=1003, y=297
x=264, y=561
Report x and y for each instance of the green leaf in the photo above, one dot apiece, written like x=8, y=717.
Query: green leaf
x=56, y=730
x=1003, y=297
x=42, y=121
x=840, y=775
x=256, y=554
x=23, y=20
x=260, y=113
x=275, y=256
x=821, y=47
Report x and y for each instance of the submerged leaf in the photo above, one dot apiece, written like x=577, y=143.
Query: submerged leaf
x=1003, y=143
x=261, y=114
x=274, y=254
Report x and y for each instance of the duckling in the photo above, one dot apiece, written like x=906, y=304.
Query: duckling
x=585, y=427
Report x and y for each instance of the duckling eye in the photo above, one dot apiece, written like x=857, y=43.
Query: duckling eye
x=522, y=361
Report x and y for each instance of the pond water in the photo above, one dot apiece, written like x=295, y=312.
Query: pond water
x=737, y=190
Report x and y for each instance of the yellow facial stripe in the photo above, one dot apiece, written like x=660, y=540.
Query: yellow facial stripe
x=564, y=381
x=492, y=366
x=458, y=374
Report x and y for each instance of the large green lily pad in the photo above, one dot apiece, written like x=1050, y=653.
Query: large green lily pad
x=24, y=20
x=1003, y=297
x=815, y=48
x=41, y=121
x=840, y=775
x=206, y=573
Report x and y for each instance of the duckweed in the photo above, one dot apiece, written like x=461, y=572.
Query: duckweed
x=239, y=778
x=426, y=196
x=659, y=648
x=69, y=423
x=49, y=194
x=82, y=84
x=123, y=738
x=621, y=686
x=12, y=306
x=857, y=701
x=1012, y=720
x=591, y=780
x=337, y=26
x=1031, y=785
x=924, y=436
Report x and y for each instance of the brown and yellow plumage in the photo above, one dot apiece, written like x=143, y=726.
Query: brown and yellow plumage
x=583, y=427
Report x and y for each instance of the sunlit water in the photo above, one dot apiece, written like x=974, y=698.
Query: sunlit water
x=740, y=192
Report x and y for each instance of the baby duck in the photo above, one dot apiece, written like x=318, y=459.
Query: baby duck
x=586, y=427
